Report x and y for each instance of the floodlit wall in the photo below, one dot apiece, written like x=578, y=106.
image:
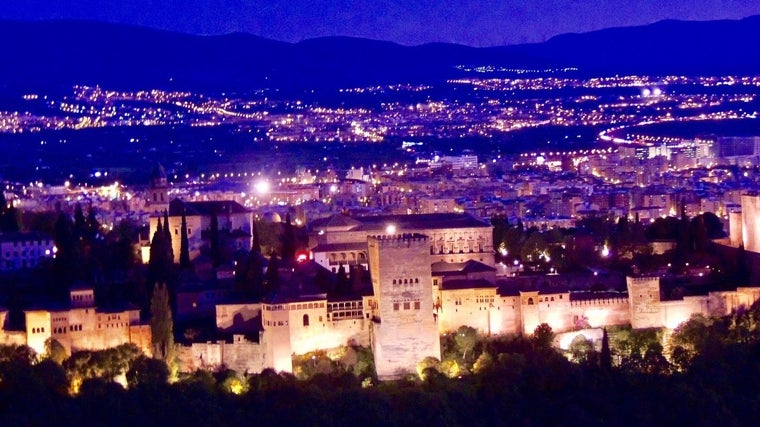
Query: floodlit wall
x=644, y=300
x=240, y=355
x=600, y=312
x=312, y=329
x=405, y=330
x=735, y=232
x=238, y=317
x=477, y=308
x=750, y=224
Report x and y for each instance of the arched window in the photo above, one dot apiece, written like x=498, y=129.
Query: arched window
x=306, y=320
x=530, y=301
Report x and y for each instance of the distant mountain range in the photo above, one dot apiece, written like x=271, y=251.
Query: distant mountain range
x=63, y=53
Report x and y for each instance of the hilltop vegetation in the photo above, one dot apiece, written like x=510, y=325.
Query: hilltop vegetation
x=711, y=378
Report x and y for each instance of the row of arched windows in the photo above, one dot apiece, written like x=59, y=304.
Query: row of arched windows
x=351, y=256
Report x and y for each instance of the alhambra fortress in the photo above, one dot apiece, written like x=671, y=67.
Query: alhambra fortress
x=432, y=274
x=428, y=275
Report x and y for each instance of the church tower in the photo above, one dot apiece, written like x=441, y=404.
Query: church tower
x=158, y=195
x=404, y=328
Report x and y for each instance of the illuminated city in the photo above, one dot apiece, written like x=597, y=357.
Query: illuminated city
x=219, y=223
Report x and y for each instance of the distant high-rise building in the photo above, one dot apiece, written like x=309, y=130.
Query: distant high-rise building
x=738, y=149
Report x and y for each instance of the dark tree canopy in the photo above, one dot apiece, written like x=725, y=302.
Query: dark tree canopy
x=288, y=241
x=168, y=237
x=215, y=250
x=162, y=325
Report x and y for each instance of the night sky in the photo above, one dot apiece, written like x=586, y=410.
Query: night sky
x=409, y=22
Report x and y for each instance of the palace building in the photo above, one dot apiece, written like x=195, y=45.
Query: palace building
x=81, y=325
x=435, y=276
x=235, y=225
x=452, y=238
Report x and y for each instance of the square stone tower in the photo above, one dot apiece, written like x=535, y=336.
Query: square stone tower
x=404, y=328
x=644, y=299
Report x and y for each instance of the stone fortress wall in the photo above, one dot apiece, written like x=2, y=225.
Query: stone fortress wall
x=396, y=320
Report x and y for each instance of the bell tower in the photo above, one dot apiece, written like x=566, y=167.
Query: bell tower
x=158, y=195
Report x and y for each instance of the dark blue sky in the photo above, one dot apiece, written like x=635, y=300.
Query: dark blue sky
x=476, y=23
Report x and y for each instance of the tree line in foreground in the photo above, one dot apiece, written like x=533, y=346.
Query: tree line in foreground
x=711, y=376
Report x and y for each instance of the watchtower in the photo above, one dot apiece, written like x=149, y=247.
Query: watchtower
x=644, y=298
x=404, y=329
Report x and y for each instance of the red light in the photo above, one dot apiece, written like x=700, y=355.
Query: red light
x=302, y=256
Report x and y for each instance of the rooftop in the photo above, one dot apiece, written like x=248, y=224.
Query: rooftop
x=24, y=236
x=457, y=268
x=177, y=207
x=334, y=247
x=402, y=222
x=457, y=284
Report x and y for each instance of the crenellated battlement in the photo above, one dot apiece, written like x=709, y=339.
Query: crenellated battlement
x=400, y=240
x=642, y=279
x=599, y=302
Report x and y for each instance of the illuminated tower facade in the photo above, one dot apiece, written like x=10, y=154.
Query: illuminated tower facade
x=404, y=328
x=158, y=195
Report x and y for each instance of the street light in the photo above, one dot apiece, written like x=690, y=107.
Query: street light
x=605, y=251
x=262, y=187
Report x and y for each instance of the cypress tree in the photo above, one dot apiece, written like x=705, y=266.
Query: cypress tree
x=699, y=233
x=272, y=277
x=7, y=217
x=80, y=224
x=158, y=265
x=743, y=269
x=184, y=245
x=256, y=245
x=343, y=285
x=256, y=274
x=92, y=224
x=253, y=282
x=214, y=249
x=356, y=273
x=605, y=357
x=162, y=326
x=9, y=221
x=3, y=203
x=288, y=240
x=322, y=280
x=168, y=238
x=683, y=243
x=65, y=263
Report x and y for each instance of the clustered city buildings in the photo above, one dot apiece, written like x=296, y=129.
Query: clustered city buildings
x=418, y=230
x=482, y=106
